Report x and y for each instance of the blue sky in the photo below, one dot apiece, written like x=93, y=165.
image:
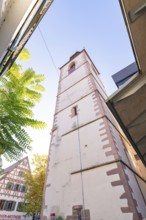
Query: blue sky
x=70, y=26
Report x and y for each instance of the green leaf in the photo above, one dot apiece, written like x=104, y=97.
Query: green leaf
x=24, y=55
x=19, y=92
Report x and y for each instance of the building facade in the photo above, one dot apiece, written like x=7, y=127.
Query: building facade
x=123, y=76
x=12, y=191
x=128, y=103
x=93, y=173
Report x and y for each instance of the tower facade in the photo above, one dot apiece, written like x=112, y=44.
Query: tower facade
x=90, y=173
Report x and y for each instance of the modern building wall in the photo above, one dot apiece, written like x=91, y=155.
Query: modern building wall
x=90, y=173
x=124, y=75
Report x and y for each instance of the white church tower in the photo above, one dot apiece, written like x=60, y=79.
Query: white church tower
x=90, y=175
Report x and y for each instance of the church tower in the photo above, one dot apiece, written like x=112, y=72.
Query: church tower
x=90, y=175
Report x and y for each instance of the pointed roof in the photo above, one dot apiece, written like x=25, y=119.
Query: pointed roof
x=75, y=55
x=13, y=166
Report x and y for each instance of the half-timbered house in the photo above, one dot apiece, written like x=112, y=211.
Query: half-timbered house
x=12, y=190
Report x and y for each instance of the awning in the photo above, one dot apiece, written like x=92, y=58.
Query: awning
x=128, y=105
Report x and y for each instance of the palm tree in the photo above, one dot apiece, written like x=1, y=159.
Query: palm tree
x=19, y=92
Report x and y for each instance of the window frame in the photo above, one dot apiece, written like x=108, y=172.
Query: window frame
x=20, y=173
x=9, y=185
x=9, y=205
x=72, y=67
x=2, y=204
x=16, y=187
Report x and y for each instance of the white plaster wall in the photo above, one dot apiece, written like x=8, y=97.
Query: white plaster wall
x=119, y=144
x=91, y=144
x=95, y=72
x=100, y=89
x=109, y=114
x=136, y=193
x=90, y=141
x=138, y=167
x=84, y=149
x=97, y=187
x=86, y=114
x=65, y=159
x=74, y=94
x=74, y=77
x=79, y=60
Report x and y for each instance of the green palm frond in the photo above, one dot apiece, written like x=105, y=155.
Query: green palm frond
x=19, y=92
x=35, y=123
x=39, y=78
x=24, y=55
x=32, y=95
x=39, y=88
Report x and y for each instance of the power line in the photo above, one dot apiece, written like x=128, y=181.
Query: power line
x=46, y=46
x=78, y=134
x=53, y=62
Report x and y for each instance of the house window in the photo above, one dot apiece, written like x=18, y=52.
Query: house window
x=10, y=205
x=20, y=173
x=23, y=189
x=2, y=203
x=71, y=68
x=20, y=206
x=16, y=187
x=9, y=185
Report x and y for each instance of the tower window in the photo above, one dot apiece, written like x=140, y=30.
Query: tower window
x=71, y=68
x=75, y=110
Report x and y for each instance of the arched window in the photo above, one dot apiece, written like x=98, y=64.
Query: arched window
x=71, y=67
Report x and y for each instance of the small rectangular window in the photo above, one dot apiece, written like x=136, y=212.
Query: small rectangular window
x=20, y=173
x=71, y=68
x=16, y=187
x=20, y=206
x=2, y=203
x=75, y=110
x=10, y=205
x=23, y=189
x=9, y=185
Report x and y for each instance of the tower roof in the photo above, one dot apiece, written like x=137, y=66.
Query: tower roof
x=75, y=55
